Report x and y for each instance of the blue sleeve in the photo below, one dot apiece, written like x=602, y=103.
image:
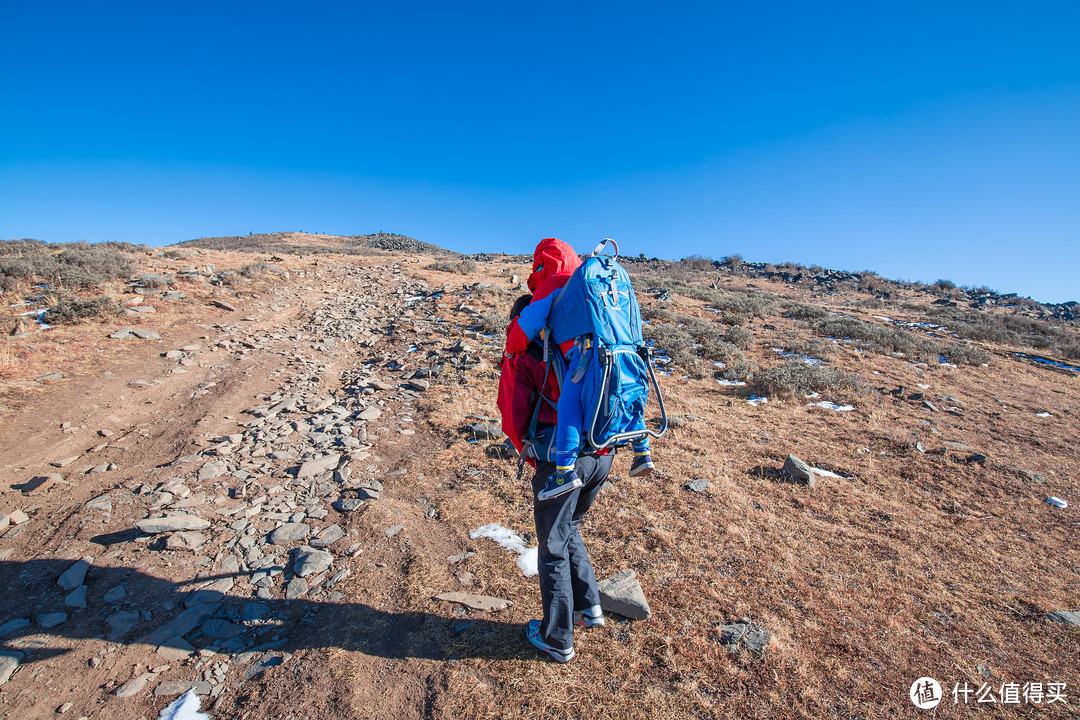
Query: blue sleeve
x=534, y=317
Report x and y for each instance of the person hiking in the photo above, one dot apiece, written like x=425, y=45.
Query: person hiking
x=568, y=590
x=553, y=263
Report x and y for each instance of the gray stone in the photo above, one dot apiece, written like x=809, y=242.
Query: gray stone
x=12, y=626
x=115, y=594
x=172, y=523
x=254, y=611
x=699, y=485
x=176, y=648
x=476, y=602
x=370, y=414
x=394, y=530
x=74, y=576
x=40, y=483
x=172, y=688
x=622, y=594
x=181, y=625
x=212, y=593
x=485, y=431
x=327, y=536
x=319, y=465
x=134, y=686
x=9, y=663
x=733, y=634
x=121, y=623
x=212, y=470
x=1069, y=617
x=228, y=307
x=290, y=533
x=185, y=540
x=798, y=471
x=296, y=588
x=266, y=662
x=309, y=561
x=221, y=629
x=757, y=638
x=51, y=620
x=145, y=334
x=122, y=334
x=102, y=503
x=752, y=636
x=76, y=598
x=346, y=505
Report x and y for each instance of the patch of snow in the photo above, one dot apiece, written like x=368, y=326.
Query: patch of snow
x=730, y=383
x=831, y=406
x=1043, y=415
x=756, y=400
x=720, y=364
x=512, y=542
x=924, y=387
x=185, y=707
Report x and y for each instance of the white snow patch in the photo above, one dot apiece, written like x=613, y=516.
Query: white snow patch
x=831, y=406
x=512, y=542
x=730, y=383
x=756, y=400
x=1043, y=415
x=185, y=707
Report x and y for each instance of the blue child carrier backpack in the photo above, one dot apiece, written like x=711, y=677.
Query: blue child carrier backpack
x=598, y=305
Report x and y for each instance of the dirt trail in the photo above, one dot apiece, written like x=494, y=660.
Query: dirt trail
x=216, y=424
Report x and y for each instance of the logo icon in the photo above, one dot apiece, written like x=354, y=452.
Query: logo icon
x=925, y=693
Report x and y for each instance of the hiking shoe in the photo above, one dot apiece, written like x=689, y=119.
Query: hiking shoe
x=532, y=632
x=589, y=617
x=559, y=483
x=642, y=465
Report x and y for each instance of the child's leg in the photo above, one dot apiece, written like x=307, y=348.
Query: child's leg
x=568, y=428
x=641, y=447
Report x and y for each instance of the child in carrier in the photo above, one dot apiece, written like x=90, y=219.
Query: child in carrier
x=554, y=261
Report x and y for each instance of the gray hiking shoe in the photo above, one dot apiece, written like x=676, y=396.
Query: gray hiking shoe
x=590, y=617
x=642, y=465
x=532, y=632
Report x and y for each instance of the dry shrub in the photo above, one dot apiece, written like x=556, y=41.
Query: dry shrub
x=881, y=339
x=803, y=311
x=70, y=308
x=461, y=267
x=740, y=337
x=966, y=354
x=798, y=377
x=491, y=323
x=71, y=265
x=257, y=269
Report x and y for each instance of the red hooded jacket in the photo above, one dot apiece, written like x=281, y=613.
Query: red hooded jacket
x=553, y=263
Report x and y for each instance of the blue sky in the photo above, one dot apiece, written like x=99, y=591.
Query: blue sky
x=919, y=140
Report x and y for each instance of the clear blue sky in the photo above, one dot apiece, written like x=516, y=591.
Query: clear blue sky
x=922, y=140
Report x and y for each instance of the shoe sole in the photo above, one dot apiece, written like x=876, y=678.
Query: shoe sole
x=588, y=622
x=641, y=472
x=569, y=487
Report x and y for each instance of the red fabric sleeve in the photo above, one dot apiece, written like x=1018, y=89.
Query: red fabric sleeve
x=516, y=341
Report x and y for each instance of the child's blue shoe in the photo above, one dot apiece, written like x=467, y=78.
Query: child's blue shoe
x=642, y=465
x=590, y=617
x=559, y=483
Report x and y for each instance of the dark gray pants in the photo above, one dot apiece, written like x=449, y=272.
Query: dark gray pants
x=567, y=582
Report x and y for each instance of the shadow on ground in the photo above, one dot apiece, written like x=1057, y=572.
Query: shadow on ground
x=182, y=621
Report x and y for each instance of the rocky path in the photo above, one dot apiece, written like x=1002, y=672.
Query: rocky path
x=206, y=518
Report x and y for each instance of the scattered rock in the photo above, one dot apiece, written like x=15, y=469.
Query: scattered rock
x=309, y=561
x=74, y=576
x=319, y=465
x=228, y=307
x=134, y=686
x=115, y=594
x=12, y=626
x=9, y=663
x=171, y=688
x=752, y=636
x=296, y=588
x=699, y=485
x=121, y=623
x=394, y=530
x=172, y=523
x=221, y=629
x=346, y=505
x=798, y=471
x=327, y=536
x=51, y=620
x=76, y=598
x=266, y=662
x=290, y=533
x=185, y=540
x=622, y=594
x=1069, y=617
x=476, y=602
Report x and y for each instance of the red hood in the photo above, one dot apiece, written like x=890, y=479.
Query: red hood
x=552, y=257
